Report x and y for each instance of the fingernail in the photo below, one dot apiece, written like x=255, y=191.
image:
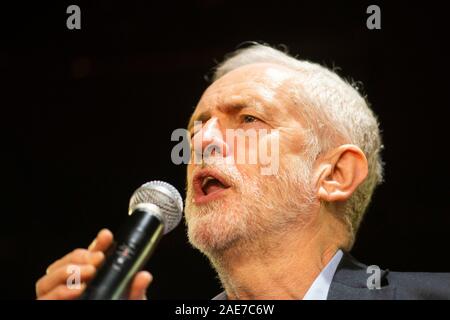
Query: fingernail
x=92, y=245
x=149, y=275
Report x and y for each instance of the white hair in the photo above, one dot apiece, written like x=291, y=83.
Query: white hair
x=334, y=112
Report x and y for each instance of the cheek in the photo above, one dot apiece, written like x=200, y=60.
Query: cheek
x=248, y=171
x=255, y=149
x=292, y=142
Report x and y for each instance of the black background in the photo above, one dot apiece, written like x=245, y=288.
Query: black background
x=89, y=114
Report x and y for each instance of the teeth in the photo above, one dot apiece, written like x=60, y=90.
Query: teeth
x=206, y=180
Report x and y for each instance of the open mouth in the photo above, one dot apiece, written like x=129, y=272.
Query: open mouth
x=208, y=185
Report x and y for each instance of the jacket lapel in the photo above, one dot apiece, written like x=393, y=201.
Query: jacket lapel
x=350, y=282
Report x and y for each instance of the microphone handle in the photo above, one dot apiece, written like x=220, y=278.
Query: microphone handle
x=135, y=243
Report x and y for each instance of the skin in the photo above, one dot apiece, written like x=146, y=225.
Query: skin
x=262, y=263
x=267, y=264
x=52, y=286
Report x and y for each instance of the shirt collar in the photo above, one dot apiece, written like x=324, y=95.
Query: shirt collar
x=320, y=287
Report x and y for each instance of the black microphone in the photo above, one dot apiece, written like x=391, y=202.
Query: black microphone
x=155, y=209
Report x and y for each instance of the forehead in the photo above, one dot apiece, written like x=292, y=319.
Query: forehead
x=261, y=77
x=260, y=83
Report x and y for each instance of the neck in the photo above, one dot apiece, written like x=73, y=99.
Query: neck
x=280, y=266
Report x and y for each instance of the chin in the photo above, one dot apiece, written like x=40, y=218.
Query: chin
x=214, y=227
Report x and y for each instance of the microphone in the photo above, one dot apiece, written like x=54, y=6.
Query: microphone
x=155, y=209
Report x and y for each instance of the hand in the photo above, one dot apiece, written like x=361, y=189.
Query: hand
x=53, y=285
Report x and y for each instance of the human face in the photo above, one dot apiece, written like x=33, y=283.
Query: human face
x=230, y=202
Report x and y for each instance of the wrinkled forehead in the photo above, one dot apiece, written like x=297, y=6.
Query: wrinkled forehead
x=261, y=77
x=267, y=83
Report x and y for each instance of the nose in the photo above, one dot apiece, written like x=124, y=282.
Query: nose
x=210, y=141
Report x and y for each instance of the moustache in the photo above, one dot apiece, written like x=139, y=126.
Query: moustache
x=227, y=170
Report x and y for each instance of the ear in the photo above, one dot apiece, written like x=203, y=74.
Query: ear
x=340, y=172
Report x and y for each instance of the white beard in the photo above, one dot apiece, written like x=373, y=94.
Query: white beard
x=254, y=206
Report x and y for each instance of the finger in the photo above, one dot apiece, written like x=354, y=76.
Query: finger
x=102, y=241
x=78, y=256
x=61, y=275
x=62, y=292
x=81, y=256
x=139, y=285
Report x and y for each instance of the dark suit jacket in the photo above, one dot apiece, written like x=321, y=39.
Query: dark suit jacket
x=350, y=283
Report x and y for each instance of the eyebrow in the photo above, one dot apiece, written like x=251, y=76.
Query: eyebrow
x=226, y=108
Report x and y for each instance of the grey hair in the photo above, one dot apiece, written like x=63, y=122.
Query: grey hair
x=334, y=111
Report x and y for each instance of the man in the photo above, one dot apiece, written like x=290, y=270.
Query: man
x=286, y=234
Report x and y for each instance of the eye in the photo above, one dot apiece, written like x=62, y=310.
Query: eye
x=249, y=119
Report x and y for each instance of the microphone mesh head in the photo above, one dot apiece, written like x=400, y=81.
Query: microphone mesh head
x=165, y=197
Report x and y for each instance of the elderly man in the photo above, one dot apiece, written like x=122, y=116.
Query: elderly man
x=286, y=234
